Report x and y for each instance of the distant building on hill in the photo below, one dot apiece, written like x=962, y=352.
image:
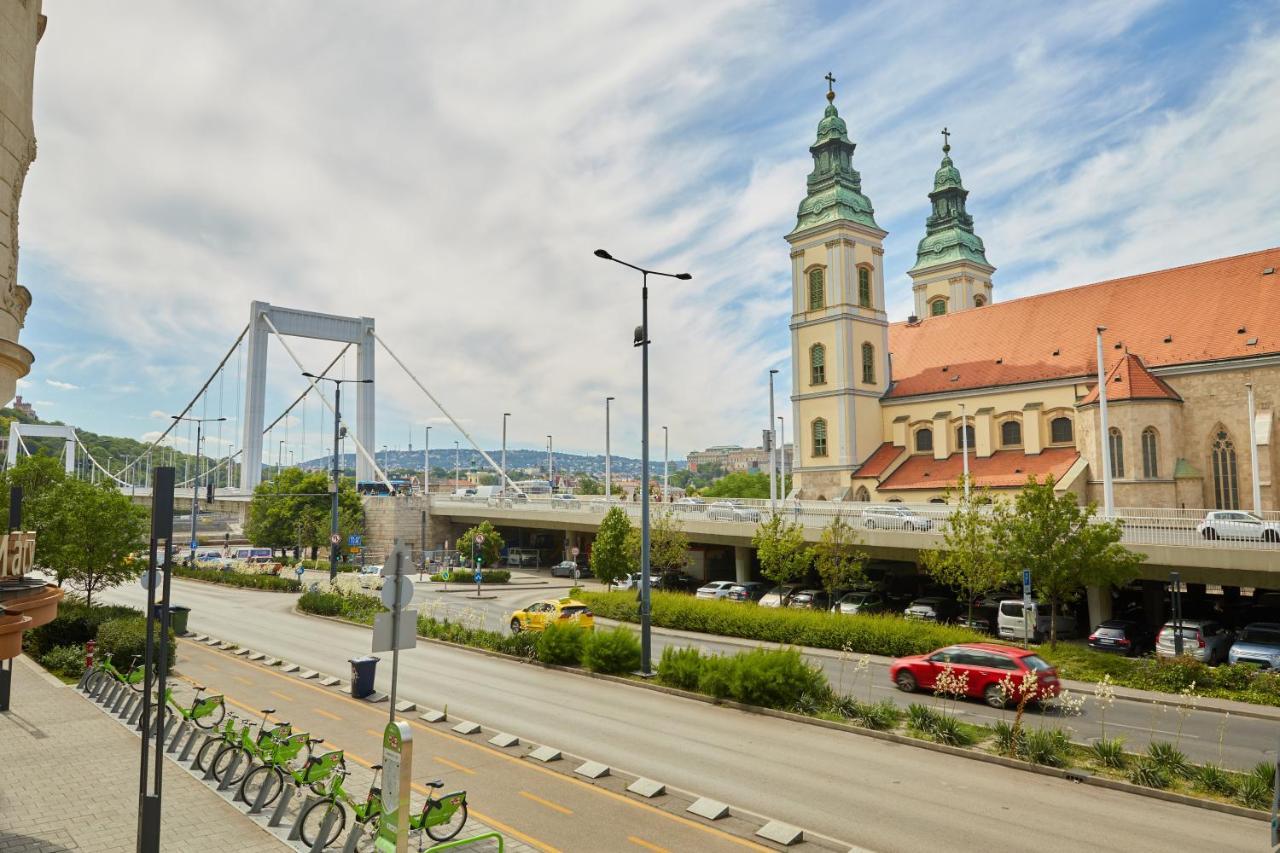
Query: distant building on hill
x=731, y=458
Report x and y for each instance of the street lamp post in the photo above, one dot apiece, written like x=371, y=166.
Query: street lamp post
x=666, y=458
x=195, y=482
x=1104, y=434
x=551, y=470
x=337, y=473
x=782, y=458
x=1253, y=454
x=641, y=340
x=457, y=466
x=279, y=459
x=773, y=449
x=426, y=460
x=503, y=484
x=964, y=448
x=608, y=469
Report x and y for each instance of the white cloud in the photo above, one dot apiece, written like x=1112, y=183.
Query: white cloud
x=61, y=386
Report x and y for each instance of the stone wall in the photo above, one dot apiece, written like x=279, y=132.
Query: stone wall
x=387, y=518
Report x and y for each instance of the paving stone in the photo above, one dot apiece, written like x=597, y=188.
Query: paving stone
x=467, y=728
x=504, y=740
x=406, y=707
x=545, y=754
x=647, y=788
x=708, y=808
x=592, y=769
x=431, y=715
x=781, y=833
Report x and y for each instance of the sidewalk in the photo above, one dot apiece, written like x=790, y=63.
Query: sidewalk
x=70, y=782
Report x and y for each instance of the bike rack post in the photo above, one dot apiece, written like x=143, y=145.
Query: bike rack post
x=168, y=728
x=186, y=750
x=135, y=714
x=260, y=800
x=296, y=832
x=93, y=687
x=225, y=781
x=108, y=694
x=84, y=677
x=281, y=807
x=184, y=730
x=120, y=700
x=353, y=837
x=323, y=835
x=208, y=771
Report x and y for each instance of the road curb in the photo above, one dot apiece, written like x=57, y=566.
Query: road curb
x=1012, y=763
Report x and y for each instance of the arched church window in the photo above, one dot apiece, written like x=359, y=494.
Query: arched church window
x=1060, y=431
x=1150, y=456
x=819, y=431
x=864, y=287
x=979, y=300
x=862, y=495
x=938, y=307
x=1116, y=441
x=1010, y=434
x=817, y=364
x=868, y=364
x=924, y=440
x=817, y=289
x=1226, y=487
x=964, y=436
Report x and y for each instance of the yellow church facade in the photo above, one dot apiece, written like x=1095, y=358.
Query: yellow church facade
x=889, y=411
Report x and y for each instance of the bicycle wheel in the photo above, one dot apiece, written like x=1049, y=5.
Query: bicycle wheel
x=213, y=719
x=446, y=829
x=313, y=819
x=95, y=681
x=208, y=752
x=222, y=763
x=266, y=776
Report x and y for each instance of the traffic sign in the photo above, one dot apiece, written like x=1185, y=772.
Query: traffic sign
x=479, y=577
x=446, y=574
x=334, y=539
x=574, y=551
x=1026, y=588
x=479, y=538
x=299, y=570
x=389, y=591
x=355, y=539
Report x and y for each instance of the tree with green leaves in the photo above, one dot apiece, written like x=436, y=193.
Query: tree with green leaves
x=784, y=556
x=490, y=551
x=1065, y=545
x=295, y=507
x=968, y=560
x=40, y=478
x=668, y=544
x=610, y=558
x=837, y=557
x=91, y=536
x=588, y=485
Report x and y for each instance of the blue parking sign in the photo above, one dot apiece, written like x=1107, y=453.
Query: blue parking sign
x=355, y=540
x=479, y=577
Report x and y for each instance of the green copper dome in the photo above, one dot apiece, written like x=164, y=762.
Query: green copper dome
x=834, y=186
x=949, y=234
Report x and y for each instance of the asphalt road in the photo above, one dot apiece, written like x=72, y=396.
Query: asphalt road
x=879, y=795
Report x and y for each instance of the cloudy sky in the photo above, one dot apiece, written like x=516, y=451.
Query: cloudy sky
x=448, y=168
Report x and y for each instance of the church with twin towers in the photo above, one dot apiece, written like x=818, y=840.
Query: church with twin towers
x=886, y=410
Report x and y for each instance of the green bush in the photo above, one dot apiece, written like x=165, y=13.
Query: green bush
x=1049, y=747
x=1109, y=752
x=1174, y=674
x=612, y=652
x=921, y=718
x=467, y=576
x=1149, y=775
x=561, y=644
x=1254, y=793
x=121, y=639
x=1169, y=758
x=273, y=583
x=1265, y=771
x=950, y=731
x=773, y=678
x=321, y=603
x=67, y=661
x=716, y=677
x=1234, y=676
x=1214, y=779
x=881, y=635
x=680, y=667
x=522, y=645
x=880, y=715
x=74, y=625
x=355, y=606
x=1009, y=740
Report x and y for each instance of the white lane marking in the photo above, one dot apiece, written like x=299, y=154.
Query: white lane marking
x=1155, y=731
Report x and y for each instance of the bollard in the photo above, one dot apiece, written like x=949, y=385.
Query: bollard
x=326, y=826
x=296, y=832
x=184, y=731
x=281, y=807
x=225, y=781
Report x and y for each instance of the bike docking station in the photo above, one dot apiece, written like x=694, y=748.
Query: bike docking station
x=392, y=632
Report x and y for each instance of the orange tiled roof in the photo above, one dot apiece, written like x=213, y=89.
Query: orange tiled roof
x=1175, y=316
x=1130, y=380
x=1004, y=468
x=880, y=460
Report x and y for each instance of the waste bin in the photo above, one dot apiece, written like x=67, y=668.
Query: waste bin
x=178, y=618
x=362, y=672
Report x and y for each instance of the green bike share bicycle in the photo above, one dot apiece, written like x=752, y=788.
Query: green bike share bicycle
x=105, y=669
x=249, y=744
x=441, y=818
x=206, y=713
x=277, y=765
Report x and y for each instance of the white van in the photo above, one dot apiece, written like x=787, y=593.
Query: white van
x=1013, y=625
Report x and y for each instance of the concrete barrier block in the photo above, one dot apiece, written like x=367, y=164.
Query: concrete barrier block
x=781, y=833
x=199, y=638
x=708, y=808
x=211, y=641
x=289, y=667
x=270, y=661
x=592, y=769
x=376, y=697
x=431, y=715
x=256, y=656
x=504, y=740
x=465, y=728
x=308, y=673
x=406, y=707
x=241, y=652
x=329, y=681
x=647, y=788
x=546, y=754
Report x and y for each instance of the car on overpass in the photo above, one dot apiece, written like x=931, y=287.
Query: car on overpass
x=895, y=518
x=732, y=511
x=1234, y=524
x=540, y=614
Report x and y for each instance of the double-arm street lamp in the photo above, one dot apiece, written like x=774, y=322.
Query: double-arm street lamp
x=642, y=341
x=337, y=473
x=195, y=481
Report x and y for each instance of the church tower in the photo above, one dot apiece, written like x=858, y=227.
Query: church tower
x=951, y=271
x=839, y=332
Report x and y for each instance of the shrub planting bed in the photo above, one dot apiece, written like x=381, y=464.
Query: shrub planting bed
x=467, y=576
x=119, y=632
x=273, y=583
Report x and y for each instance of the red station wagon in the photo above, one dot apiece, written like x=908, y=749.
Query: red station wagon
x=985, y=663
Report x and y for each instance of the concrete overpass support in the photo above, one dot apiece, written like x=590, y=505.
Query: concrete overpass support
x=741, y=563
x=1099, y=601
x=1153, y=603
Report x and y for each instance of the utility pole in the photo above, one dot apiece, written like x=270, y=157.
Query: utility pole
x=1104, y=437
x=666, y=454
x=551, y=473
x=503, y=485
x=195, y=482
x=426, y=461
x=773, y=460
x=608, y=470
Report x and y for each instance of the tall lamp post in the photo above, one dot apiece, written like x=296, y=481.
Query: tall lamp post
x=642, y=341
x=608, y=464
x=1253, y=453
x=551, y=479
x=666, y=458
x=964, y=448
x=503, y=484
x=337, y=473
x=195, y=482
x=426, y=460
x=773, y=459
x=1104, y=434
x=782, y=458
x=457, y=466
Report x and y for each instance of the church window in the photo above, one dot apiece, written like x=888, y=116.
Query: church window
x=1150, y=461
x=864, y=287
x=868, y=364
x=938, y=307
x=1116, y=441
x=817, y=364
x=862, y=495
x=1226, y=487
x=924, y=440
x=979, y=301
x=1010, y=434
x=964, y=436
x=1060, y=431
x=820, y=437
x=817, y=289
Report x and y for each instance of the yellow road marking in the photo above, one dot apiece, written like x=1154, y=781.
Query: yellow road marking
x=375, y=733
x=447, y=763
x=243, y=680
x=283, y=696
x=322, y=712
x=640, y=842
x=587, y=786
x=553, y=806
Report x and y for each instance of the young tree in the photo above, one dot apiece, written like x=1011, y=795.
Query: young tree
x=668, y=546
x=40, y=478
x=610, y=558
x=837, y=557
x=1063, y=545
x=782, y=551
x=92, y=535
x=739, y=484
x=968, y=560
x=489, y=552
x=588, y=485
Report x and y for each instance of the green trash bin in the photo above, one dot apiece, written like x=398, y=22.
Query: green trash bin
x=178, y=619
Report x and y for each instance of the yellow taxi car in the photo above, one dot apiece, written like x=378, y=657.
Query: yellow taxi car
x=540, y=614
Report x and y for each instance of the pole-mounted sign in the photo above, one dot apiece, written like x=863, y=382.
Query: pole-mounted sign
x=397, y=781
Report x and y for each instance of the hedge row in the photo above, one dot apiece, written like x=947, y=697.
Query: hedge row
x=120, y=632
x=349, y=605
x=467, y=576
x=877, y=635
x=274, y=583
x=770, y=678
x=1241, y=682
